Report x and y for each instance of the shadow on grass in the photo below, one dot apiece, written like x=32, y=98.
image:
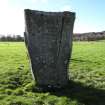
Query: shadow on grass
x=85, y=61
x=83, y=94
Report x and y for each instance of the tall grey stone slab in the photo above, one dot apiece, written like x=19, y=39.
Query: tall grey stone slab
x=48, y=38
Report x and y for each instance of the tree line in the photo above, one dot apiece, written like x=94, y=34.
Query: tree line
x=91, y=36
x=12, y=38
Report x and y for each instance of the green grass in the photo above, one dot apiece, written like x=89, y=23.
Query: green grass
x=88, y=63
x=86, y=71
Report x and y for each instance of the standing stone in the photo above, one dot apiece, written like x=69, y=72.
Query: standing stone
x=48, y=38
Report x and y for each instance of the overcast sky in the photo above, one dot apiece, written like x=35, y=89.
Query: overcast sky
x=90, y=14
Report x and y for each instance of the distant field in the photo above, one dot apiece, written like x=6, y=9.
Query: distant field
x=86, y=71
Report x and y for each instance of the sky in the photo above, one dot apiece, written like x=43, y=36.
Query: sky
x=90, y=16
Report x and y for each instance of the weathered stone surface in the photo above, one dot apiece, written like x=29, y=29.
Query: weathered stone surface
x=48, y=37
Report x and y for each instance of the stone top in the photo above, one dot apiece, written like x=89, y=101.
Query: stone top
x=51, y=13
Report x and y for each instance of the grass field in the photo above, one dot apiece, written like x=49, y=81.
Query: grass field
x=87, y=77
